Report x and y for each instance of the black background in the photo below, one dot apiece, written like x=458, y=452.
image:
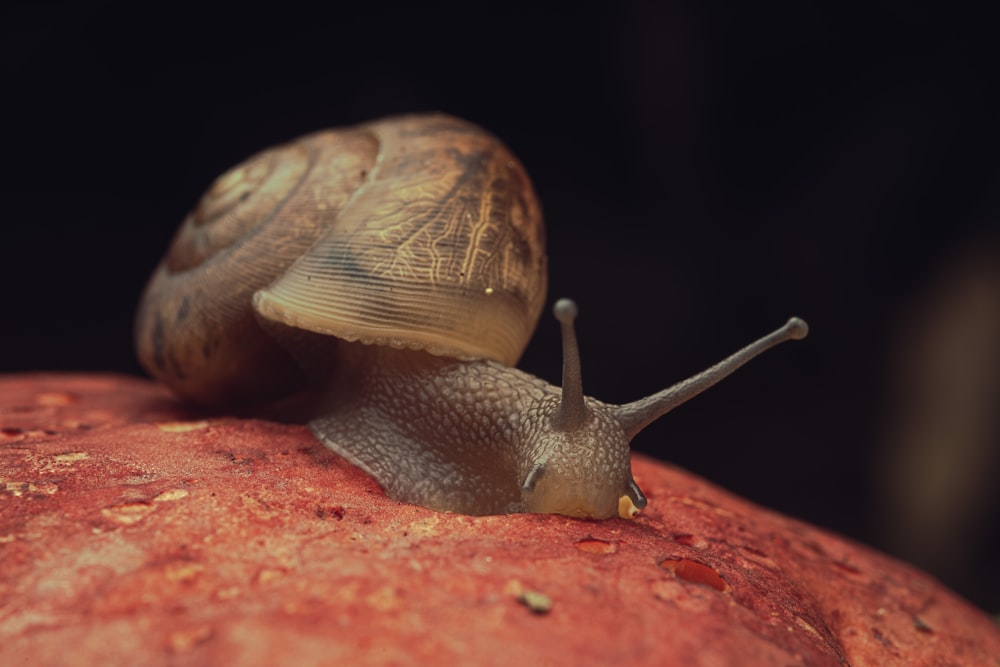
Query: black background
x=706, y=169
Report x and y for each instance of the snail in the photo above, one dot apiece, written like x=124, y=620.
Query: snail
x=381, y=281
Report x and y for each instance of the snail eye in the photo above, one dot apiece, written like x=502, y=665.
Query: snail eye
x=532, y=479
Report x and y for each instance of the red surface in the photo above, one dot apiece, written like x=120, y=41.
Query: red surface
x=133, y=531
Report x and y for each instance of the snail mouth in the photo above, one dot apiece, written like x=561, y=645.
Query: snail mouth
x=626, y=508
x=546, y=491
x=569, y=500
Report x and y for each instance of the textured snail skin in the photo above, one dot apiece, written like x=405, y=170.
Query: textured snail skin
x=379, y=282
x=465, y=436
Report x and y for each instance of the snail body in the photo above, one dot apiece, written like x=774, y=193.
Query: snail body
x=383, y=280
x=469, y=444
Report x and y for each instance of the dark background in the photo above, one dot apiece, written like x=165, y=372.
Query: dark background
x=706, y=169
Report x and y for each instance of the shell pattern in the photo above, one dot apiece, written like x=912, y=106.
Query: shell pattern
x=418, y=231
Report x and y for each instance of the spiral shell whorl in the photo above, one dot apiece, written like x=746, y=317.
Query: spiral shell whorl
x=408, y=207
x=195, y=328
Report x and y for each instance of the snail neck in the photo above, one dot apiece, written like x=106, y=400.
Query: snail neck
x=433, y=431
x=403, y=381
x=357, y=361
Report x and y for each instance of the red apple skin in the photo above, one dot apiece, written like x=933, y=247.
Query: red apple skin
x=134, y=530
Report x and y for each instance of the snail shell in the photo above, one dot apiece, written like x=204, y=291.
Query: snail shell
x=418, y=231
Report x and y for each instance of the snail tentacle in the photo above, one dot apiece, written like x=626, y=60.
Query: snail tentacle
x=572, y=409
x=639, y=414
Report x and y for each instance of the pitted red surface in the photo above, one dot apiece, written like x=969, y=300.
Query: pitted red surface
x=136, y=531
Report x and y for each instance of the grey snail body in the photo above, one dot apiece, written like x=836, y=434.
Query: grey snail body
x=383, y=280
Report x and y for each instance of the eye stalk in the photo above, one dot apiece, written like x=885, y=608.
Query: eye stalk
x=572, y=409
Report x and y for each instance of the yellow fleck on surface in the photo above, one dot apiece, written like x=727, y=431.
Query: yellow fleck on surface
x=538, y=602
x=70, y=457
x=19, y=489
x=384, y=599
x=805, y=625
x=183, y=641
x=424, y=527
x=592, y=545
x=182, y=427
x=126, y=515
x=170, y=494
x=55, y=398
x=269, y=574
x=183, y=571
x=228, y=593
